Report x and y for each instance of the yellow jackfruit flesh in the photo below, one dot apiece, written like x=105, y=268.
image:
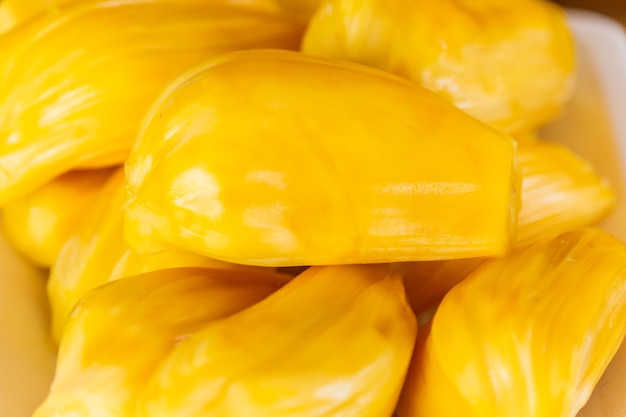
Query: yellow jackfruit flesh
x=76, y=83
x=17, y=12
x=426, y=283
x=120, y=332
x=561, y=192
x=527, y=136
x=508, y=63
x=302, y=8
x=98, y=253
x=323, y=171
x=526, y=335
x=335, y=341
x=38, y=225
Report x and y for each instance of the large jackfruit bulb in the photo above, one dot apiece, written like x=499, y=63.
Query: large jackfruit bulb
x=529, y=334
x=98, y=253
x=119, y=333
x=39, y=224
x=507, y=63
x=77, y=83
x=303, y=351
x=335, y=163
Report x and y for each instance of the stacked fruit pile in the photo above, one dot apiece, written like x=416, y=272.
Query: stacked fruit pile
x=306, y=208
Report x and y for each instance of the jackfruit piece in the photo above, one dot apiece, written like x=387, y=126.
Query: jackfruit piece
x=38, y=225
x=426, y=283
x=335, y=163
x=561, y=192
x=16, y=12
x=120, y=332
x=526, y=335
x=302, y=8
x=335, y=341
x=507, y=63
x=527, y=136
x=98, y=253
x=77, y=83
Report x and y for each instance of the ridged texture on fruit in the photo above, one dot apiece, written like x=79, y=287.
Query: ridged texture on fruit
x=98, y=253
x=335, y=163
x=561, y=192
x=508, y=63
x=526, y=335
x=16, y=12
x=426, y=283
x=120, y=332
x=76, y=84
x=335, y=341
x=38, y=225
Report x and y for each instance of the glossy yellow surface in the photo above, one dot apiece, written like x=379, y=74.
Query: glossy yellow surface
x=426, y=283
x=120, y=332
x=526, y=335
x=335, y=163
x=302, y=8
x=98, y=253
x=39, y=224
x=603, y=147
x=303, y=351
x=561, y=192
x=16, y=12
x=508, y=63
x=76, y=84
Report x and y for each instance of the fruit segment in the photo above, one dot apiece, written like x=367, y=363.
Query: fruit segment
x=561, y=192
x=507, y=63
x=120, y=332
x=39, y=224
x=302, y=8
x=335, y=163
x=16, y=12
x=526, y=335
x=426, y=283
x=76, y=84
x=98, y=253
x=335, y=341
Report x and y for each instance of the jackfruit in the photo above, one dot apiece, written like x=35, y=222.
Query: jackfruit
x=98, y=253
x=507, y=63
x=16, y=12
x=334, y=341
x=120, y=332
x=529, y=334
x=335, y=163
x=561, y=192
x=38, y=225
x=77, y=83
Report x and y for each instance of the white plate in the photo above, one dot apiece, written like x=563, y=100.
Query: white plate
x=591, y=125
